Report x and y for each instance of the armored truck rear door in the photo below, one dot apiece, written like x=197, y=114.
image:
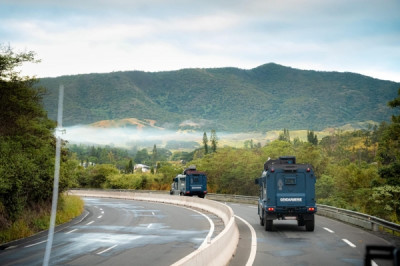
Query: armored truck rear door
x=290, y=189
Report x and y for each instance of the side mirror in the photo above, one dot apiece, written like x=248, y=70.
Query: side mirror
x=257, y=181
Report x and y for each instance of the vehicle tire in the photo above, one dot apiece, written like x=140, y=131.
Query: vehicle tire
x=181, y=194
x=262, y=218
x=268, y=225
x=310, y=224
x=201, y=196
x=301, y=222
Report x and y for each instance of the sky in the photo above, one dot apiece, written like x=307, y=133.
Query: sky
x=99, y=36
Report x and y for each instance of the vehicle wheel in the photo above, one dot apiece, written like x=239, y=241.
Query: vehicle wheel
x=268, y=225
x=301, y=222
x=201, y=196
x=310, y=224
x=181, y=194
x=262, y=218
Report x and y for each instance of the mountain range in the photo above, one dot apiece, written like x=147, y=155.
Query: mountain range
x=264, y=98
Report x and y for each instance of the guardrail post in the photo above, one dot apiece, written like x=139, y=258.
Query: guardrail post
x=375, y=227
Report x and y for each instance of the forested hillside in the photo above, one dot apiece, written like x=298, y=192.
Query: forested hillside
x=268, y=97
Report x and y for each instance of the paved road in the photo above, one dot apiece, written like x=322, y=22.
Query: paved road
x=332, y=242
x=119, y=232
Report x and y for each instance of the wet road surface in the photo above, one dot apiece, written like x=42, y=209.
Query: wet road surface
x=118, y=232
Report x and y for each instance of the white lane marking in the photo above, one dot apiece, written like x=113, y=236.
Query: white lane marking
x=149, y=225
x=99, y=216
x=207, y=240
x=329, y=230
x=71, y=231
x=349, y=243
x=153, y=213
x=102, y=212
x=253, y=207
x=28, y=246
x=89, y=223
x=253, y=250
x=101, y=252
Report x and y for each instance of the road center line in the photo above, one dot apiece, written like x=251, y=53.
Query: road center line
x=89, y=223
x=101, y=252
x=99, y=216
x=329, y=230
x=253, y=250
x=36, y=244
x=349, y=243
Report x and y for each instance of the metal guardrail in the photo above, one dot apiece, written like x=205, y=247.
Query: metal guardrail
x=356, y=218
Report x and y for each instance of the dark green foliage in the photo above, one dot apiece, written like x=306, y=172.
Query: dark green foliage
x=389, y=147
x=205, y=143
x=100, y=155
x=154, y=155
x=129, y=169
x=312, y=137
x=27, y=144
x=214, y=140
x=285, y=136
x=142, y=157
x=268, y=97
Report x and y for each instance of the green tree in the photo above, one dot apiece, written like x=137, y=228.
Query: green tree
x=312, y=137
x=205, y=143
x=285, y=136
x=249, y=144
x=154, y=155
x=27, y=143
x=142, y=156
x=388, y=197
x=214, y=140
x=389, y=148
x=130, y=167
x=99, y=173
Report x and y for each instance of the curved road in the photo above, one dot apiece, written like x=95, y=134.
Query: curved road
x=332, y=242
x=118, y=232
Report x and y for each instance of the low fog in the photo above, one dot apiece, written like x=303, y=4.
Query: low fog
x=125, y=137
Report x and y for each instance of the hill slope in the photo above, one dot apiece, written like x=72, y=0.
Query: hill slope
x=268, y=97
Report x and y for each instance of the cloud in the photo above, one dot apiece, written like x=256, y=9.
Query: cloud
x=74, y=37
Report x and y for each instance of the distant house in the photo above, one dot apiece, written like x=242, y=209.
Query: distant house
x=86, y=164
x=145, y=168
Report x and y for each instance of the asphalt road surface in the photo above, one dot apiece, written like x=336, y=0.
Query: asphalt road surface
x=332, y=242
x=118, y=232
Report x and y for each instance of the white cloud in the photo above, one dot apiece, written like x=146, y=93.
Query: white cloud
x=102, y=36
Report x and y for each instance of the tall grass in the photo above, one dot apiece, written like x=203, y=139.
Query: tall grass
x=36, y=218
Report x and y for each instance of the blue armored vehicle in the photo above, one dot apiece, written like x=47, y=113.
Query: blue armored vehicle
x=190, y=183
x=287, y=191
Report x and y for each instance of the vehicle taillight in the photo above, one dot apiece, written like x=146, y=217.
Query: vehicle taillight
x=271, y=209
x=308, y=169
x=311, y=209
x=205, y=192
x=272, y=170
